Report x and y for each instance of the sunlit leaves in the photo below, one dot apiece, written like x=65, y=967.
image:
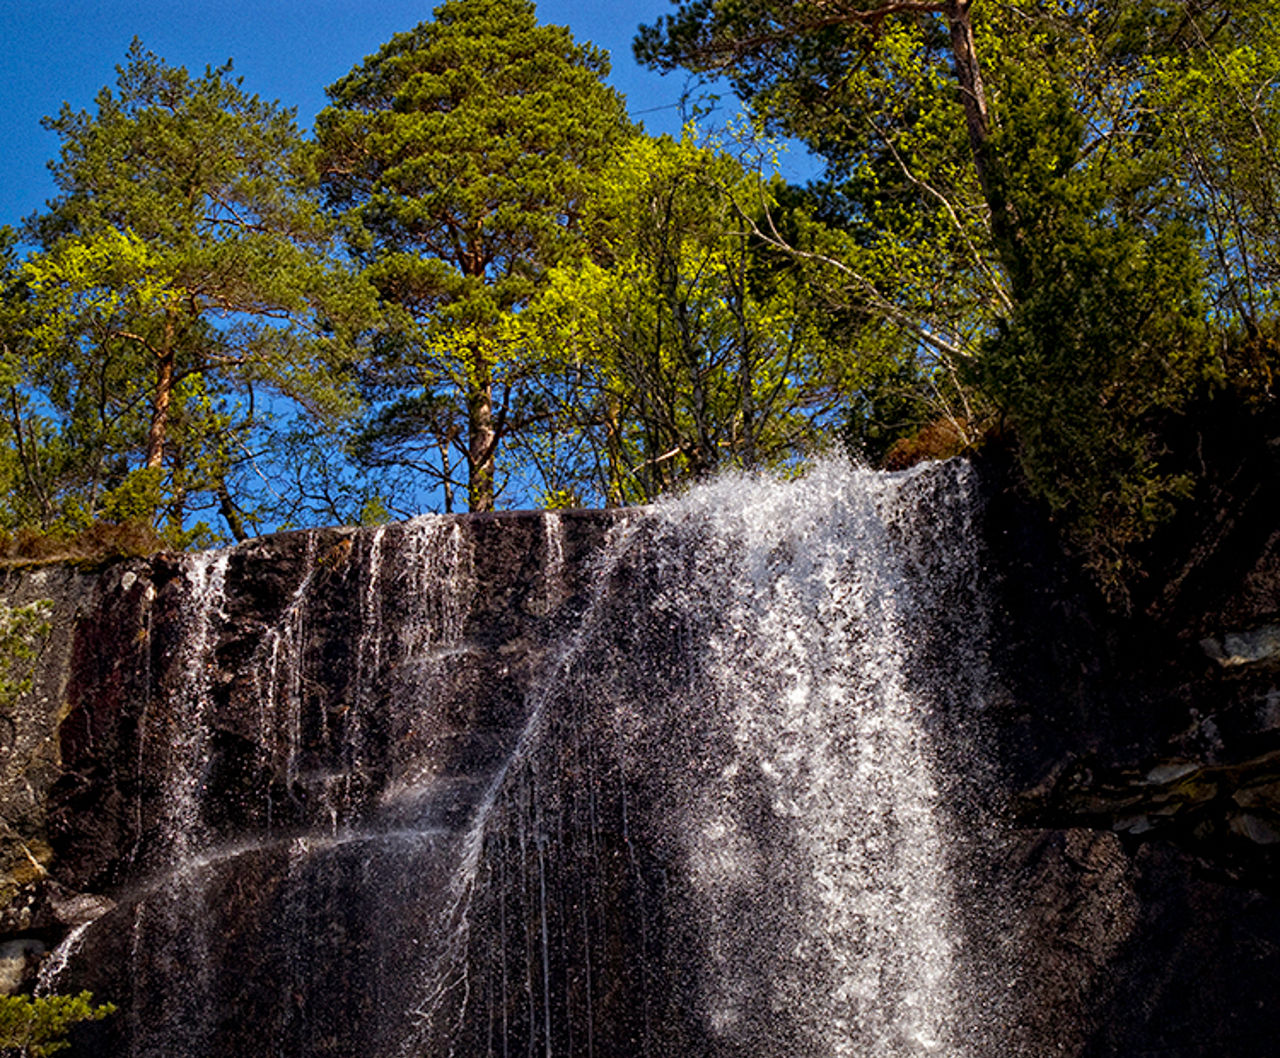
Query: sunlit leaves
x=680, y=343
x=184, y=255
x=1217, y=99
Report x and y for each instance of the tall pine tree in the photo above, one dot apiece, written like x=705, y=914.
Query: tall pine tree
x=463, y=151
x=185, y=267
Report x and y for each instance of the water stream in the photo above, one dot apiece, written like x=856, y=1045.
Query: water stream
x=734, y=822
x=736, y=809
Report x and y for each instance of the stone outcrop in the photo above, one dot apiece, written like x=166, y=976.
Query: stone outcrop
x=1142, y=756
x=1137, y=771
x=31, y=761
x=90, y=755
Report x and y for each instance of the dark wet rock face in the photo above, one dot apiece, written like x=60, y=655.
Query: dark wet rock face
x=838, y=768
x=261, y=765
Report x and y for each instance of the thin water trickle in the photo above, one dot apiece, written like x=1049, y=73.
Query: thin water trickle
x=174, y=742
x=180, y=732
x=304, y=759
x=58, y=959
x=553, y=563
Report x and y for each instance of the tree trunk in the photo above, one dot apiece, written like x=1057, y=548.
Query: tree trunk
x=231, y=514
x=29, y=457
x=446, y=473
x=973, y=96
x=482, y=436
x=977, y=119
x=160, y=408
x=615, y=467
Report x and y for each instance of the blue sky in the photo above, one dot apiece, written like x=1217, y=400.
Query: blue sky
x=287, y=50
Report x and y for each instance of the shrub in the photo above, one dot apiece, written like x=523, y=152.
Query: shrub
x=35, y=1027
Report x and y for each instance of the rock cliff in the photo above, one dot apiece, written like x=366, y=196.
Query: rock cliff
x=223, y=755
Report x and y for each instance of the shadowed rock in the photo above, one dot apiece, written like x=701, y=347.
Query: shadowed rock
x=846, y=769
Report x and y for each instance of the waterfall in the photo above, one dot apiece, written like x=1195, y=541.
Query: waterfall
x=719, y=790
x=740, y=816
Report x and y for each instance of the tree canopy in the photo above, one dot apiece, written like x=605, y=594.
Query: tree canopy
x=36, y=1028
x=183, y=269
x=1021, y=192
x=678, y=341
x=463, y=153
x=1048, y=224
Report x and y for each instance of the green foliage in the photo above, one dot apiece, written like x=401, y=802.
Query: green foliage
x=1105, y=341
x=682, y=343
x=1053, y=221
x=184, y=270
x=907, y=236
x=137, y=496
x=23, y=630
x=1110, y=334
x=463, y=152
x=374, y=512
x=1214, y=97
x=1071, y=226
x=36, y=1027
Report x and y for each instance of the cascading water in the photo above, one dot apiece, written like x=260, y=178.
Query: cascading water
x=739, y=818
x=735, y=806
x=175, y=729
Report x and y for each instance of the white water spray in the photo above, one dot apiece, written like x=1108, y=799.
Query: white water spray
x=748, y=734
x=736, y=820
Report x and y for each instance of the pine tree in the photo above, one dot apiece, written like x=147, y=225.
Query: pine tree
x=185, y=266
x=463, y=151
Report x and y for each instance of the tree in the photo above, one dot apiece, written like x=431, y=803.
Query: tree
x=1105, y=340
x=184, y=267
x=463, y=151
x=36, y=1028
x=1015, y=155
x=1214, y=88
x=891, y=94
x=770, y=48
x=23, y=473
x=680, y=342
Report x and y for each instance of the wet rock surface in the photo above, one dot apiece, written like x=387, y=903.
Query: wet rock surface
x=272, y=729
x=1142, y=756
x=358, y=692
